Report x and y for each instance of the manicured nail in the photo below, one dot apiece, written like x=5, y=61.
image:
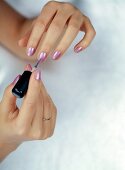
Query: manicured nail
x=56, y=55
x=42, y=56
x=16, y=79
x=78, y=49
x=28, y=67
x=30, y=51
x=37, y=74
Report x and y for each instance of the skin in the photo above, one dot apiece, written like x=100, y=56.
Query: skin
x=51, y=32
x=26, y=123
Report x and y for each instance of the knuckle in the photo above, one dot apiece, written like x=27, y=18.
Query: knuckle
x=51, y=3
x=91, y=28
x=22, y=131
x=55, y=110
x=37, y=135
x=75, y=24
x=78, y=14
x=86, y=43
x=68, y=6
x=94, y=32
x=87, y=19
x=55, y=115
x=78, y=17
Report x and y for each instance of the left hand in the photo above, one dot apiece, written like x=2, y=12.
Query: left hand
x=54, y=19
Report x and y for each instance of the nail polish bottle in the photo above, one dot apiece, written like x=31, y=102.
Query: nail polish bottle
x=20, y=88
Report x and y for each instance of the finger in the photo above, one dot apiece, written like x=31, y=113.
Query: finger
x=70, y=34
x=53, y=119
x=9, y=100
x=53, y=34
x=24, y=40
x=13, y=115
x=46, y=118
x=37, y=123
x=43, y=89
x=39, y=28
x=28, y=67
x=88, y=37
x=53, y=123
x=28, y=108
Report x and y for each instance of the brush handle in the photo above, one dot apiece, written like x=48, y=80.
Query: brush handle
x=21, y=87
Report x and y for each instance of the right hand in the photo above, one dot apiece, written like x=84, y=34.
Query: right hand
x=28, y=122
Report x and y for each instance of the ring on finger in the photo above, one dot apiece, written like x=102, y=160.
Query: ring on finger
x=46, y=119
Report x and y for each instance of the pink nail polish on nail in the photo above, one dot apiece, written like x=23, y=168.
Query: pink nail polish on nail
x=42, y=56
x=16, y=79
x=78, y=49
x=30, y=51
x=37, y=74
x=56, y=55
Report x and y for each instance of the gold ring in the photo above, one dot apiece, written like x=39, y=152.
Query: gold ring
x=44, y=119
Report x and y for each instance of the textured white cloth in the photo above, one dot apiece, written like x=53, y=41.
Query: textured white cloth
x=88, y=89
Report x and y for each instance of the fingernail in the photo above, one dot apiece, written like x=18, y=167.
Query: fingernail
x=42, y=56
x=78, y=49
x=28, y=67
x=16, y=79
x=30, y=51
x=56, y=55
x=37, y=74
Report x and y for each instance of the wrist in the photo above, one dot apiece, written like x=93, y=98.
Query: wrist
x=7, y=148
x=12, y=146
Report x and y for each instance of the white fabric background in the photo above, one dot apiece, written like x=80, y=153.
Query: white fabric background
x=88, y=89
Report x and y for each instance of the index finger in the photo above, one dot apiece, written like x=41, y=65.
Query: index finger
x=29, y=105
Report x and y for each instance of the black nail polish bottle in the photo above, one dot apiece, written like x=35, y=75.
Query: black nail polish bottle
x=20, y=88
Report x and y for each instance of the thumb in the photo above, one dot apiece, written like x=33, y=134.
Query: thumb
x=9, y=100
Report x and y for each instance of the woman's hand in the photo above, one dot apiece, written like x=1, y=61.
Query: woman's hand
x=35, y=120
x=58, y=22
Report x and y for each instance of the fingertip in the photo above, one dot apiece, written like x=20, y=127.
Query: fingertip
x=78, y=49
x=37, y=74
x=30, y=51
x=15, y=80
x=34, y=79
x=28, y=67
x=56, y=55
x=42, y=57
